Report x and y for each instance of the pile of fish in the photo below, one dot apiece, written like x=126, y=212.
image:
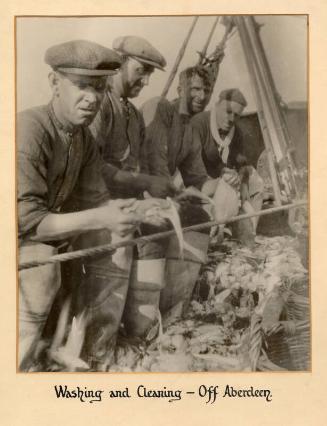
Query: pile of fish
x=215, y=333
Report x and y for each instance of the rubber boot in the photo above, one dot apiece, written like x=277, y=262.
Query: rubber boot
x=142, y=304
x=256, y=202
x=181, y=274
x=37, y=290
x=102, y=294
x=245, y=230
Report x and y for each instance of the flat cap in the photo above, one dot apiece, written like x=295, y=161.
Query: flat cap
x=234, y=95
x=83, y=57
x=140, y=49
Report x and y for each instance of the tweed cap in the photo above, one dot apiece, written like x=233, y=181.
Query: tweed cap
x=83, y=57
x=234, y=95
x=140, y=49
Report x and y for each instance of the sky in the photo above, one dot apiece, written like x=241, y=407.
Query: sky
x=284, y=39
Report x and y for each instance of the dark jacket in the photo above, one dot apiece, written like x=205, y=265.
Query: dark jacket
x=119, y=128
x=169, y=143
x=56, y=171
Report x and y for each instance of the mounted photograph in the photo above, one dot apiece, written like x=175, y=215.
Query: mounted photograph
x=162, y=193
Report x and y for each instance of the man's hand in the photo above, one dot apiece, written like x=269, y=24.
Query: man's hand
x=230, y=176
x=160, y=187
x=118, y=216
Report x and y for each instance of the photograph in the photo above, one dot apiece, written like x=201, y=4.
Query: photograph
x=162, y=202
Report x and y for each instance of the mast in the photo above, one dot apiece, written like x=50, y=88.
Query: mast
x=273, y=125
x=178, y=59
x=203, y=52
x=286, y=163
x=258, y=92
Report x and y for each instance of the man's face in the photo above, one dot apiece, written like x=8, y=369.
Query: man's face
x=227, y=112
x=78, y=97
x=197, y=95
x=135, y=75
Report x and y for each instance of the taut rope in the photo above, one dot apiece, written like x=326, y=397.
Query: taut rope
x=64, y=257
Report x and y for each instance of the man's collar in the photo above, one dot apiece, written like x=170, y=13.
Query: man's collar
x=183, y=110
x=115, y=87
x=181, y=107
x=68, y=130
x=112, y=91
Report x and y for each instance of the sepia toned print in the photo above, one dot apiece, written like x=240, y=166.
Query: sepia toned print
x=162, y=216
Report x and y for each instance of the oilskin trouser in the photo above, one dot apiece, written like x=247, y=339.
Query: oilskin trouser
x=102, y=294
x=37, y=290
x=142, y=305
x=147, y=280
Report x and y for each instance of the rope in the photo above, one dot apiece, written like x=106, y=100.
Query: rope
x=160, y=235
x=255, y=340
x=179, y=58
x=206, y=45
x=290, y=327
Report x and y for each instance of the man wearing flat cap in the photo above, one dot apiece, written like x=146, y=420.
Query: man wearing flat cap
x=222, y=146
x=119, y=130
x=61, y=194
x=119, y=127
